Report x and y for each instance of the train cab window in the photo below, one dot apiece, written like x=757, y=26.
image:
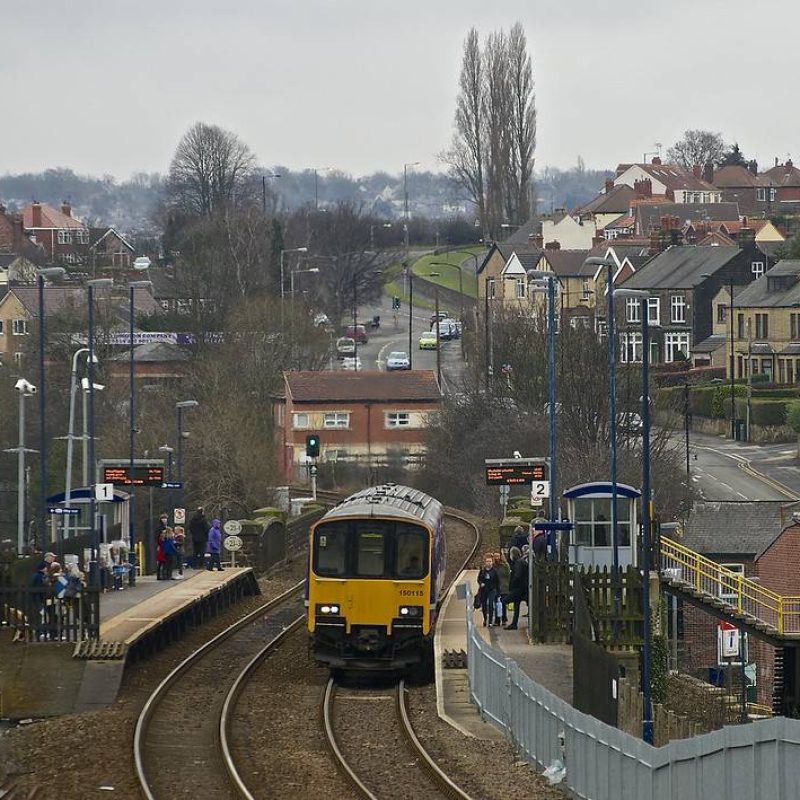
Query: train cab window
x=411, y=553
x=370, y=557
x=331, y=550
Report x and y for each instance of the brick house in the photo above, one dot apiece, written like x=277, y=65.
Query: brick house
x=785, y=180
x=760, y=540
x=677, y=183
x=64, y=238
x=502, y=275
x=363, y=417
x=109, y=249
x=683, y=282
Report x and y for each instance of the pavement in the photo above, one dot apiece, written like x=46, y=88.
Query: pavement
x=549, y=665
x=722, y=469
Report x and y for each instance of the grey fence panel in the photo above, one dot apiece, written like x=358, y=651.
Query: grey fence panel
x=759, y=761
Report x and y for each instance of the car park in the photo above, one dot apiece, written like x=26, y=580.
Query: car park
x=345, y=346
x=427, y=341
x=398, y=360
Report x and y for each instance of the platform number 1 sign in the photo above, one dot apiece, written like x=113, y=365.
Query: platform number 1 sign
x=104, y=492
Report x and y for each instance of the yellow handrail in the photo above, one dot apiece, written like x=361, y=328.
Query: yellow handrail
x=745, y=595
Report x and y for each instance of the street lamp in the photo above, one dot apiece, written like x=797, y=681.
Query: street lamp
x=292, y=273
x=264, y=189
x=41, y=274
x=287, y=250
x=96, y=283
x=132, y=286
x=438, y=321
x=372, y=233
x=647, y=711
x=24, y=389
x=610, y=266
x=405, y=203
x=180, y=406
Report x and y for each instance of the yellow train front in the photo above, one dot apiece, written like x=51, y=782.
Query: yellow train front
x=375, y=581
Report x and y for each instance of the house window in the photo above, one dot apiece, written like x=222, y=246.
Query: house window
x=18, y=359
x=653, y=311
x=520, y=289
x=300, y=422
x=794, y=324
x=65, y=237
x=398, y=419
x=762, y=326
x=772, y=193
x=19, y=327
x=757, y=268
x=677, y=308
x=491, y=289
x=82, y=236
x=761, y=194
x=675, y=343
x=740, y=326
x=585, y=288
x=1, y=328
x=631, y=348
x=722, y=312
x=633, y=309
x=70, y=258
x=337, y=419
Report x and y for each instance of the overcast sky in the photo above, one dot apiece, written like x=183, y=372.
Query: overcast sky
x=109, y=86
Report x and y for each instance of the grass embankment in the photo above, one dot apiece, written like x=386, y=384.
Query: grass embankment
x=445, y=265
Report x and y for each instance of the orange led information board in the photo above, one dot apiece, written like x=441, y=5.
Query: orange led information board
x=139, y=476
x=514, y=474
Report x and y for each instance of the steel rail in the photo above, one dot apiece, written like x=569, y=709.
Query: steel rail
x=147, y=712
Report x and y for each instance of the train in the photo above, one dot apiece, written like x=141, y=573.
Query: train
x=376, y=578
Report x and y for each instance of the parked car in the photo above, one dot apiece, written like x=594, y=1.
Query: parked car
x=630, y=422
x=398, y=360
x=357, y=332
x=321, y=320
x=440, y=315
x=345, y=346
x=448, y=329
x=352, y=364
x=427, y=341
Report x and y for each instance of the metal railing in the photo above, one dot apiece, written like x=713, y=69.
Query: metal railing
x=745, y=597
x=37, y=614
x=603, y=762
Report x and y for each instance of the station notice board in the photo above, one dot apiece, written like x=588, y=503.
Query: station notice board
x=138, y=476
x=515, y=474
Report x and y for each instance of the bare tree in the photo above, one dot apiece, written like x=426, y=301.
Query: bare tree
x=697, y=147
x=211, y=171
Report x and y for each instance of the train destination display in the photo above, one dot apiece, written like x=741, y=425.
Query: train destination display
x=138, y=476
x=511, y=474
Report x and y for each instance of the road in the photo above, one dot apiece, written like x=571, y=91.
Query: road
x=393, y=335
x=726, y=470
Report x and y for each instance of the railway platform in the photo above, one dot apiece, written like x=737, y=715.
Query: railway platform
x=43, y=679
x=549, y=665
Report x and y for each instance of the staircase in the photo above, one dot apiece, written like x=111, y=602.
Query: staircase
x=728, y=595
x=778, y=681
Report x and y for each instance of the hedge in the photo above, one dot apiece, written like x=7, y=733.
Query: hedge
x=720, y=403
x=762, y=412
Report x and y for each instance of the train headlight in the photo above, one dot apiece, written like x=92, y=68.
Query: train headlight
x=410, y=611
x=327, y=609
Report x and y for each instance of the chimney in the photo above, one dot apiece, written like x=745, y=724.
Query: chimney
x=746, y=236
x=536, y=240
x=66, y=208
x=789, y=165
x=752, y=165
x=643, y=188
x=36, y=214
x=609, y=185
x=671, y=194
x=697, y=171
x=656, y=161
x=554, y=245
x=776, y=161
x=708, y=173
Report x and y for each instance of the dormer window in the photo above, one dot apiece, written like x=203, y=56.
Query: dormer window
x=757, y=268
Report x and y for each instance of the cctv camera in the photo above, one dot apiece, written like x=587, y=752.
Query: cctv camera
x=25, y=387
x=517, y=454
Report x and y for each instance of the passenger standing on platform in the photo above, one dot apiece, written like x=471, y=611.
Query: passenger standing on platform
x=161, y=559
x=488, y=587
x=214, y=545
x=517, y=586
x=170, y=553
x=520, y=538
x=503, y=574
x=180, y=537
x=198, y=530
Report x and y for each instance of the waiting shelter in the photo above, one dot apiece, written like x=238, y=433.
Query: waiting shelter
x=591, y=541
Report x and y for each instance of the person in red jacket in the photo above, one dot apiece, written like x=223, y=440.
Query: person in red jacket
x=161, y=558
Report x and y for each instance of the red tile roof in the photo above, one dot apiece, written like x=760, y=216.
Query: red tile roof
x=365, y=386
x=51, y=218
x=734, y=177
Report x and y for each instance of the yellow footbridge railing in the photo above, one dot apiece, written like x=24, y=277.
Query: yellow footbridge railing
x=745, y=597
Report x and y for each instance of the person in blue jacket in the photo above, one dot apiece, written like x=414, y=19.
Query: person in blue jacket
x=214, y=545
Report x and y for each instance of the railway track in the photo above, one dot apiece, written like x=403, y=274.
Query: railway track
x=11, y=790
x=181, y=742
x=371, y=738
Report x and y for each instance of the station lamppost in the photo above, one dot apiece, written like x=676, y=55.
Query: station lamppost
x=647, y=513
x=610, y=266
x=180, y=407
x=41, y=274
x=438, y=321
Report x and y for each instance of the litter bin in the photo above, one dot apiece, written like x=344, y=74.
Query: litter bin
x=739, y=430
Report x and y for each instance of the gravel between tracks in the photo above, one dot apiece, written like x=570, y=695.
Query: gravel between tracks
x=79, y=753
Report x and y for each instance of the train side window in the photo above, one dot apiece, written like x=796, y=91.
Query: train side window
x=370, y=555
x=411, y=554
x=331, y=550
